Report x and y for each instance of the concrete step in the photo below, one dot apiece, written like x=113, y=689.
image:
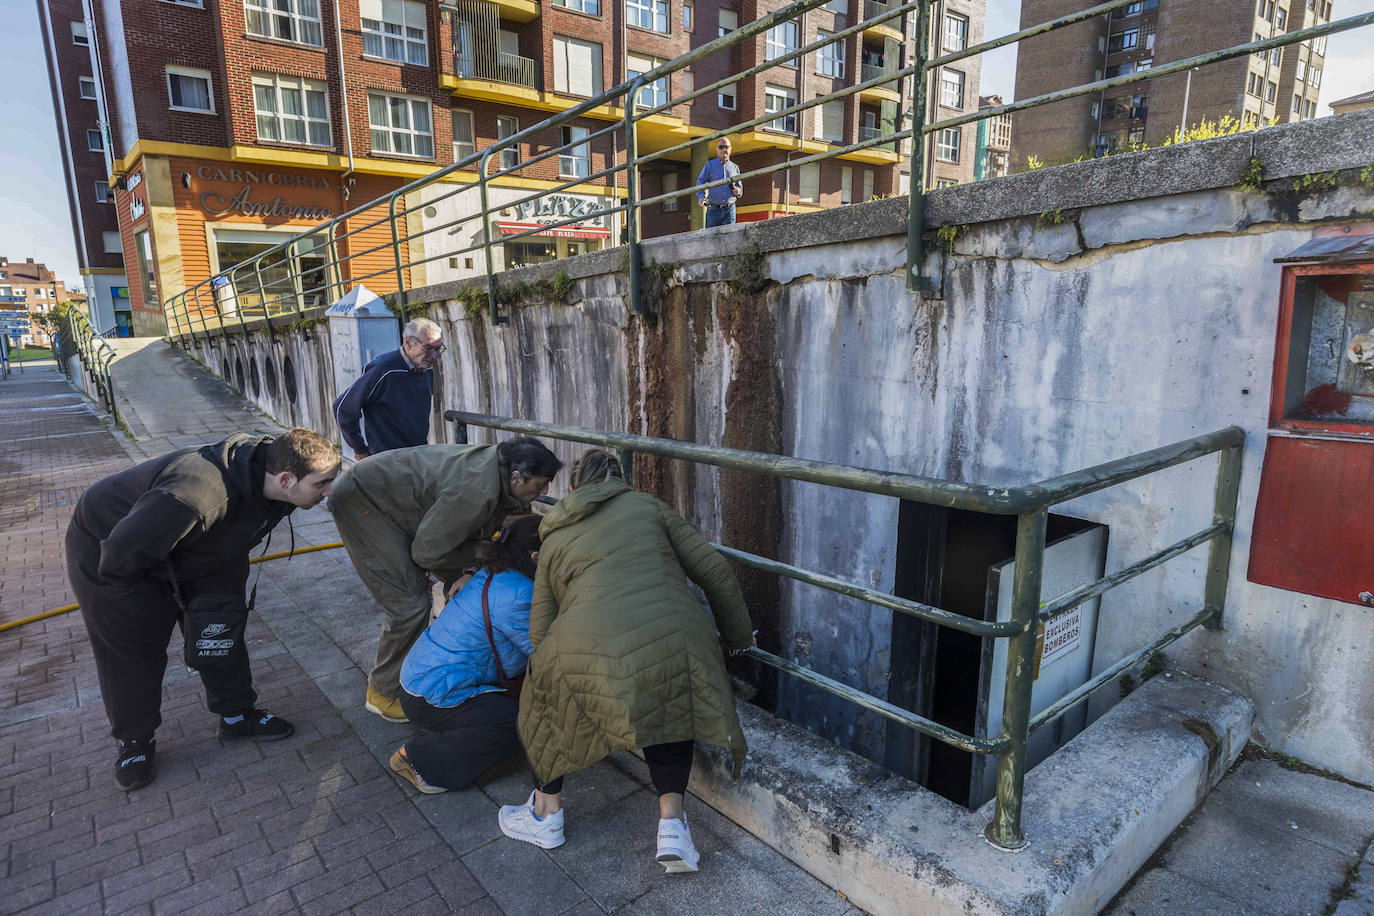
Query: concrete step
x=1094, y=812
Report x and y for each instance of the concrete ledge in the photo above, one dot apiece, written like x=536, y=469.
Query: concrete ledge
x=1093, y=813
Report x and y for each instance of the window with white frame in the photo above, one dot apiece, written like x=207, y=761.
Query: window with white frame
x=809, y=184
x=79, y=36
x=951, y=88
x=868, y=184
x=112, y=243
x=189, y=90
x=830, y=58
x=575, y=161
x=87, y=87
x=777, y=98
x=689, y=80
x=956, y=32
x=687, y=11
x=94, y=142
x=846, y=185
x=291, y=109
x=652, y=94
x=508, y=126
x=102, y=192
x=669, y=186
x=779, y=40
x=400, y=124
x=285, y=20
x=1297, y=105
x=464, y=140
x=576, y=66
x=830, y=124
x=729, y=21
x=647, y=14
x=725, y=97
x=947, y=145
x=395, y=30
x=1314, y=76
x=582, y=6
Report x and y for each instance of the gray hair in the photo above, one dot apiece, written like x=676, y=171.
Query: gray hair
x=422, y=327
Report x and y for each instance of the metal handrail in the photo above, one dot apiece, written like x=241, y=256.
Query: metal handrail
x=78, y=338
x=1030, y=503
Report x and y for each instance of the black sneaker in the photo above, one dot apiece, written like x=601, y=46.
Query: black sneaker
x=257, y=725
x=136, y=766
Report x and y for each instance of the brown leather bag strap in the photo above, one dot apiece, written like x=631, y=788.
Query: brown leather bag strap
x=486, y=619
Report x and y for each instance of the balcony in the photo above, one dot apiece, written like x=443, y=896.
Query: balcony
x=498, y=68
x=868, y=133
x=888, y=92
x=485, y=64
x=891, y=28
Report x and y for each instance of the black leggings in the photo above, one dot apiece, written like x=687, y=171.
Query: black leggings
x=669, y=767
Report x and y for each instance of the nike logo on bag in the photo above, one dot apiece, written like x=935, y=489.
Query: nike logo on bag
x=214, y=629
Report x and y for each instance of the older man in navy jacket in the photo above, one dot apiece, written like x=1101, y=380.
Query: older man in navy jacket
x=720, y=200
x=389, y=405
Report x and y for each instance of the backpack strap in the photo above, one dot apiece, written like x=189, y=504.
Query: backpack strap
x=486, y=620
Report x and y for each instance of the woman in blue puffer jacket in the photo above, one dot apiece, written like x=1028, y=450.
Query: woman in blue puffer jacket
x=449, y=679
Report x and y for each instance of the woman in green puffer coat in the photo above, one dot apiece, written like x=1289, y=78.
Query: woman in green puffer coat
x=625, y=656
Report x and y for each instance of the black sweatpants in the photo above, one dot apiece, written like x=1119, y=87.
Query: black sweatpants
x=670, y=766
x=460, y=742
x=130, y=625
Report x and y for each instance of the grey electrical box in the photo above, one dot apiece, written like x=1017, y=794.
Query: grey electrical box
x=361, y=328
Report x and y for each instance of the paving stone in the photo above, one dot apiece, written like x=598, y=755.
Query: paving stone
x=1159, y=891
x=540, y=888
x=1325, y=811
x=1228, y=852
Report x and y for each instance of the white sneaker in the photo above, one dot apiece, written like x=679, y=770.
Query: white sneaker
x=520, y=823
x=676, y=851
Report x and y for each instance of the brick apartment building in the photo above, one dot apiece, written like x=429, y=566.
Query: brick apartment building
x=77, y=108
x=33, y=288
x=950, y=153
x=225, y=126
x=1278, y=86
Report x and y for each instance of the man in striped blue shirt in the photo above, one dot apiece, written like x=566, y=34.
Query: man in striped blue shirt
x=719, y=201
x=389, y=405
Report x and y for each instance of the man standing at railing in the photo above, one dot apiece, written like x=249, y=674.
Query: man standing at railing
x=720, y=200
x=389, y=405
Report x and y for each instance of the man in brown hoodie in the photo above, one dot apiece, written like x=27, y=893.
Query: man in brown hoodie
x=411, y=512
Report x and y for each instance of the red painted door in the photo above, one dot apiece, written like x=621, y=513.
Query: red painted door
x=1314, y=520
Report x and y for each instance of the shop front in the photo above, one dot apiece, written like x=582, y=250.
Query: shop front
x=189, y=219
x=447, y=223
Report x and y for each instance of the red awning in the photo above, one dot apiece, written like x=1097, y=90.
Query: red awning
x=561, y=232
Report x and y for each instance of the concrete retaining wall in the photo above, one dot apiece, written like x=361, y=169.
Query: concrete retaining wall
x=1082, y=314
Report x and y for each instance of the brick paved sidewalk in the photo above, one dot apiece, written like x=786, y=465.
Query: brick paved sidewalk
x=316, y=823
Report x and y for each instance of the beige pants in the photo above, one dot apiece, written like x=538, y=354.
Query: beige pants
x=380, y=552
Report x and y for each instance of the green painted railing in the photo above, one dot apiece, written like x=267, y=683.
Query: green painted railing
x=77, y=338
x=1030, y=504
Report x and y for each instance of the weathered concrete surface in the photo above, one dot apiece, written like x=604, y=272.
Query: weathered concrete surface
x=1146, y=314
x=1094, y=812
x=1267, y=840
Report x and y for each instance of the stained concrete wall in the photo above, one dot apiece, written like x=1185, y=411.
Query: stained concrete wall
x=1084, y=313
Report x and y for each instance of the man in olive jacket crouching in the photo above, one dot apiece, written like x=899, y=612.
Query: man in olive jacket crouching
x=146, y=540
x=410, y=512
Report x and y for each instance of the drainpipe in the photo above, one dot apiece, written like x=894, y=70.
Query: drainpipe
x=343, y=94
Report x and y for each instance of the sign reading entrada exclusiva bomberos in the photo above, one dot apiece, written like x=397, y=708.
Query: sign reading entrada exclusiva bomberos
x=247, y=202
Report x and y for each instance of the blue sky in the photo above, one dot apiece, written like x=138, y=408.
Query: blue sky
x=33, y=195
